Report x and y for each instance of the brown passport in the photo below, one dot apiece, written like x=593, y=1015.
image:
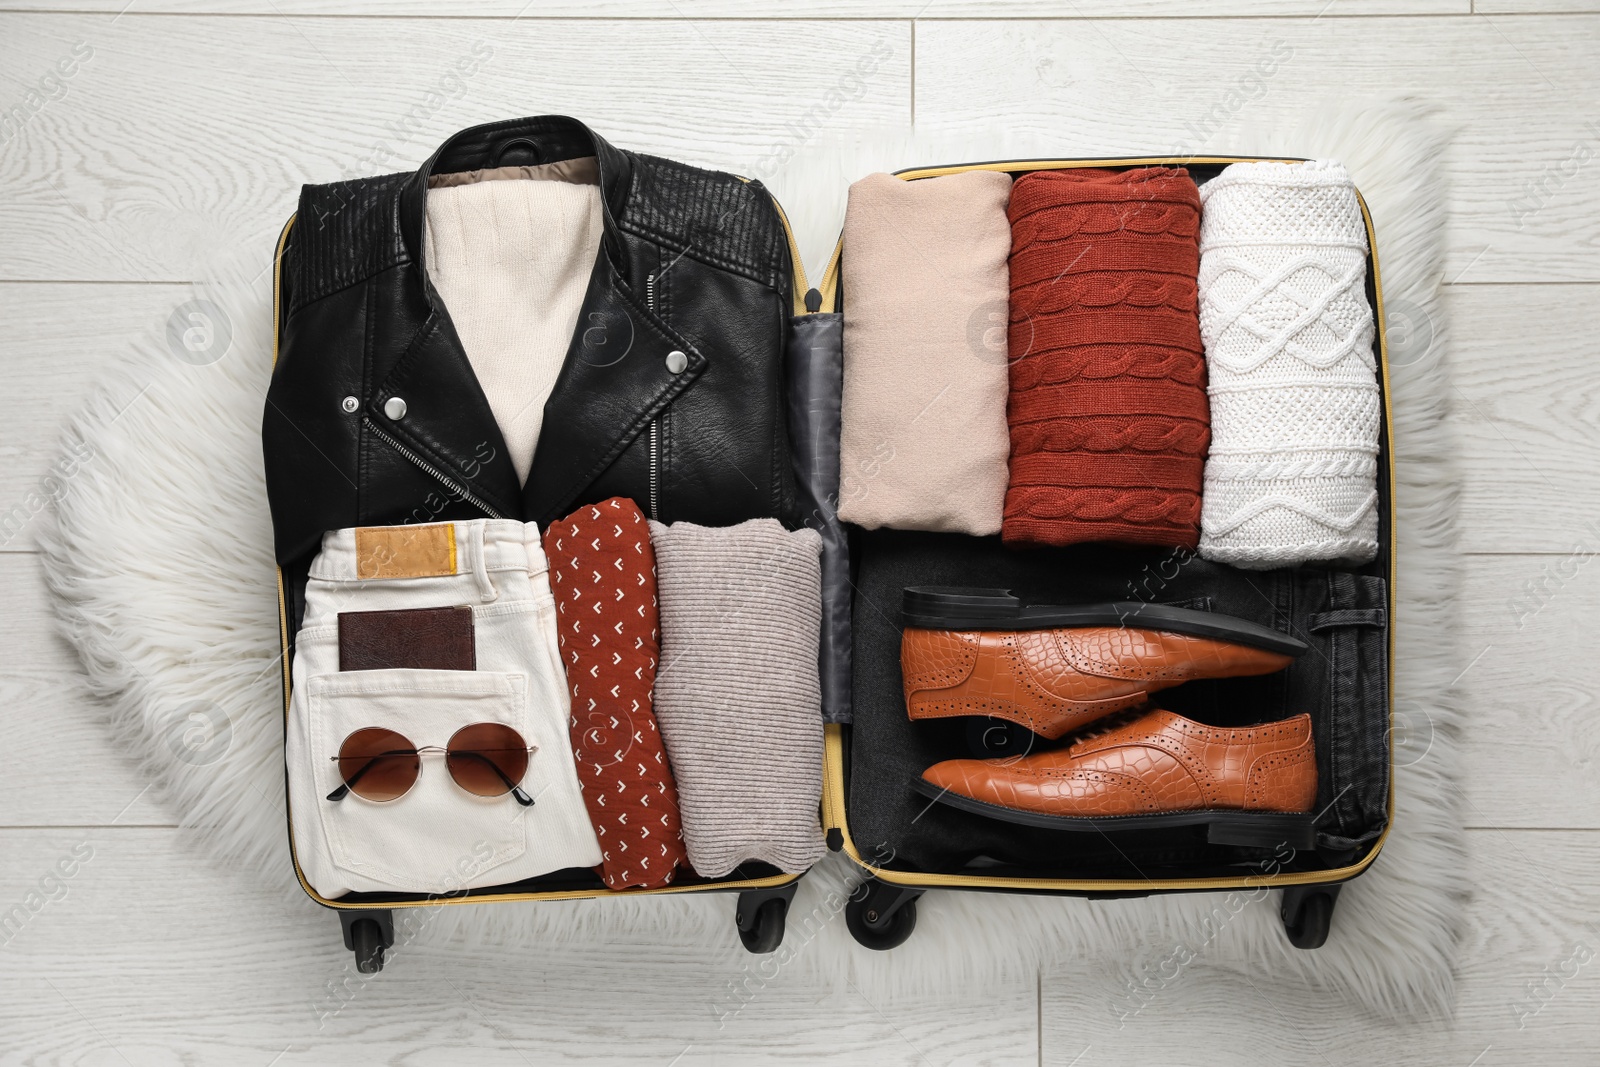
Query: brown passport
x=434, y=639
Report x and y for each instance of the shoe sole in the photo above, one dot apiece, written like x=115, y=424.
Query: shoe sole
x=927, y=607
x=1263, y=829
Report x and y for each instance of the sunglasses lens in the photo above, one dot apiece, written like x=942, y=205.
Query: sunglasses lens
x=487, y=758
x=378, y=764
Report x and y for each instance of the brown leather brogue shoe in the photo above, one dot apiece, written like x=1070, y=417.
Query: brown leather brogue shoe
x=1056, y=668
x=1056, y=681
x=1248, y=785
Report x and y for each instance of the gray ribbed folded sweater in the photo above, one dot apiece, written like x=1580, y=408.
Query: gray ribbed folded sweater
x=736, y=695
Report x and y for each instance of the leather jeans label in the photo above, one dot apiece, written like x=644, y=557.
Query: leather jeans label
x=406, y=551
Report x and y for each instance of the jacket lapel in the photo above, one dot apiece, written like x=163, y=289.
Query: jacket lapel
x=447, y=420
x=617, y=377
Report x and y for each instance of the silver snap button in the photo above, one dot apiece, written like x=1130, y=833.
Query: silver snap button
x=395, y=408
x=676, y=361
x=350, y=404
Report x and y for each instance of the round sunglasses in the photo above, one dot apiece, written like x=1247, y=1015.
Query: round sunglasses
x=487, y=759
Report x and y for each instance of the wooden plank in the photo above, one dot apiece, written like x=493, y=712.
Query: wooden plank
x=1531, y=705
x=95, y=194
x=1530, y=702
x=181, y=142
x=152, y=955
x=1526, y=994
x=1530, y=467
x=1530, y=7
x=1528, y=470
x=1523, y=410
x=147, y=953
x=773, y=9
x=58, y=766
x=55, y=340
x=1521, y=413
x=318, y=98
x=1515, y=89
x=1530, y=690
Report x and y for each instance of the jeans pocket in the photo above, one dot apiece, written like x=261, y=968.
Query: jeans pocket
x=437, y=838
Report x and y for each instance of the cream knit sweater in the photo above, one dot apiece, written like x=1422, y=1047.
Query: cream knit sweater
x=511, y=259
x=1295, y=409
x=923, y=442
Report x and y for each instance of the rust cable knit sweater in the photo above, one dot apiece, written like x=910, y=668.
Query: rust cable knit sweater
x=1108, y=413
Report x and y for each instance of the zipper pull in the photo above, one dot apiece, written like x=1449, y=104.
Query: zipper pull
x=813, y=301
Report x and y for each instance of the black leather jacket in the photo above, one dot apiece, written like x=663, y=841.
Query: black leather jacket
x=692, y=261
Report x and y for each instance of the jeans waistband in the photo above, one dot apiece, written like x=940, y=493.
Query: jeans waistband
x=431, y=550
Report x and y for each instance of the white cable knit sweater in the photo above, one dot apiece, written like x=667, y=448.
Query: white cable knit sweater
x=1295, y=410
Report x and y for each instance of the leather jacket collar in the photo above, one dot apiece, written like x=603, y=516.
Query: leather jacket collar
x=518, y=142
x=617, y=376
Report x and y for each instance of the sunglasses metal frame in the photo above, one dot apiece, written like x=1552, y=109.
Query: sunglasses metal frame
x=514, y=788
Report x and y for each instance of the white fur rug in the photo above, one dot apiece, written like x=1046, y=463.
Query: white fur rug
x=187, y=662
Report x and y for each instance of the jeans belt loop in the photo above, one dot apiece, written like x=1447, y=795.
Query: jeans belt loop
x=480, y=562
x=533, y=544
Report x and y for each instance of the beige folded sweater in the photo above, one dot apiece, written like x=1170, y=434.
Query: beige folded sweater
x=511, y=258
x=924, y=441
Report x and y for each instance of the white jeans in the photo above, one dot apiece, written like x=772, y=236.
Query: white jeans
x=437, y=838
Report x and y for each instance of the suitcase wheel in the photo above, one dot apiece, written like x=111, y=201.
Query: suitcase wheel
x=881, y=916
x=760, y=916
x=1308, y=914
x=367, y=940
x=764, y=932
x=367, y=933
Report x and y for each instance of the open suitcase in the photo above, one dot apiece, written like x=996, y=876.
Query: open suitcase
x=907, y=844
x=867, y=810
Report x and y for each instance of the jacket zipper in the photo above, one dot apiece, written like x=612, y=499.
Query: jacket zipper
x=427, y=468
x=655, y=423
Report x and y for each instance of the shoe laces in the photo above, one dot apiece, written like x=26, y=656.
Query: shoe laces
x=1101, y=727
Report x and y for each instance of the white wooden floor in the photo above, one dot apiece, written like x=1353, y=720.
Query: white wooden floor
x=186, y=127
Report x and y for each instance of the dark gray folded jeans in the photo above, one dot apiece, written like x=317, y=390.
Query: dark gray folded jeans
x=1341, y=681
